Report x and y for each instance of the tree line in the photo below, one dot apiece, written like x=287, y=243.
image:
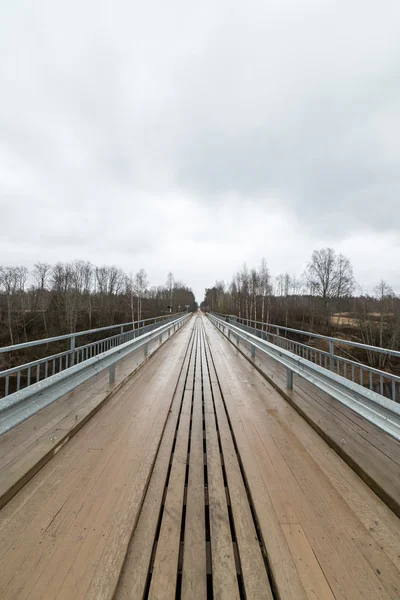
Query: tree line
x=49, y=300
x=325, y=298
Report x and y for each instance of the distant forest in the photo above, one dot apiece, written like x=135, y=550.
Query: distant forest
x=66, y=297
x=324, y=299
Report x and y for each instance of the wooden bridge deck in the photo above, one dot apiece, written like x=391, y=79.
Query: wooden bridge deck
x=197, y=480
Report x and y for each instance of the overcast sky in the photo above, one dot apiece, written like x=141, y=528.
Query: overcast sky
x=192, y=137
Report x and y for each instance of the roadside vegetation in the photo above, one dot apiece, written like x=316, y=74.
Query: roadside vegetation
x=63, y=298
x=324, y=299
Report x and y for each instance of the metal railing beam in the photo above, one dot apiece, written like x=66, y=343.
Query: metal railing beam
x=381, y=411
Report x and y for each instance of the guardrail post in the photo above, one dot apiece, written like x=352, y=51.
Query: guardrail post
x=146, y=349
x=253, y=351
x=72, y=348
x=111, y=372
x=332, y=355
x=289, y=379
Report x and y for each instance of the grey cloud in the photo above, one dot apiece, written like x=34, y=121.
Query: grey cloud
x=321, y=161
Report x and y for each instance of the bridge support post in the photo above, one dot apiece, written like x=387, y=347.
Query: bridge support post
x=111, y=377
x=289, y=379
x=72, y=362
x=332, y=355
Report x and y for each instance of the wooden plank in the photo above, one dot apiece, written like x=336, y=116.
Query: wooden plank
x=310, y=572
x=71, y=464
x=30, y=498
x=363, y=498
x=93, y=490
x=137, y=563
x=332, y=564
x=276, y=373
x=334, y=568
x=108, y=509
x=225, y=583
x=374, y=467
x=39, y=438
x=282, y=505
x=23, y=467
x=18, y=440
x=357, y=518
x=375, y=517
x=351, y=421
x=165, y=569
x=338, y=518
x=386, y=571
x=207, y=393
x=163, y=582
x=116, y=547
x=376, y=437
x=180, y=388
x=135, y=571
x=112, y=550
x=282, y=564
x=283, y=568
x=363, y=515
x=190, y=378
x=325, y=555
x=372, y=454
x=255, y=577
x=383, y=441
x=194, y=573
x=44, y=560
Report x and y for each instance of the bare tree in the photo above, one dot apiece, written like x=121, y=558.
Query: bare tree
x=265, y=289
x=170, y=286
x=237, y=286
x=76, y=295
x=65, y=279
x=141, y=283
x=384, y=294
x=87, y=288
x=130, y=295
x=245, y=289
x=41, y=275
x=329, y=276
x=254, y=291
x=10, y=284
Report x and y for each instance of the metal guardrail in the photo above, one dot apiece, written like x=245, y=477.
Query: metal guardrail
x=23, y=376
x=381, y=411
x=22, y=404
x=382, y=382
